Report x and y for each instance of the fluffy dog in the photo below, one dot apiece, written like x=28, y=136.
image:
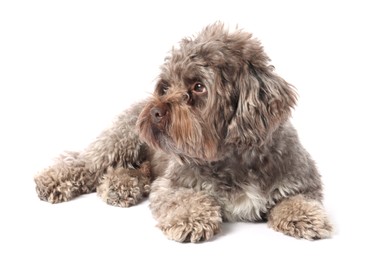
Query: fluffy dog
x=214, y=143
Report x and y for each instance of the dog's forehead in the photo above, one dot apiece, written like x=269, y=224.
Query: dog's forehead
x=184, y=66
x=197, y=60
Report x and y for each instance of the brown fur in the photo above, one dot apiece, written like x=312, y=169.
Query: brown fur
x=217, y=136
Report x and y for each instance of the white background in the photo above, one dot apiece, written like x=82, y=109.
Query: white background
x=67, y=68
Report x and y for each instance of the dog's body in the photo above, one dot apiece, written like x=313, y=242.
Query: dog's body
x=215, y=141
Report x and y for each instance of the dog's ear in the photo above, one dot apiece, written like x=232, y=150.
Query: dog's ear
x=264, y=101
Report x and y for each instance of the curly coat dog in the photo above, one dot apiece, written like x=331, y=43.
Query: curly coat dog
x=214, y=143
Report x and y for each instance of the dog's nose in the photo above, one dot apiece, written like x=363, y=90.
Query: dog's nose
x=157, y=113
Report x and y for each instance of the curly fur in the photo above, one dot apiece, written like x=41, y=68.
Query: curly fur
x=216, y=142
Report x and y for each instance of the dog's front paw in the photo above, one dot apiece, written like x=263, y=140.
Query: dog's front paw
x=185, y=215
x=124, y=187
x=301, y=218
x=192, y=230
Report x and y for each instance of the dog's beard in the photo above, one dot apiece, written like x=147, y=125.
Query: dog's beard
x=180, y=132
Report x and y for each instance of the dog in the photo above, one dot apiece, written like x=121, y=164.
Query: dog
x=214, y=143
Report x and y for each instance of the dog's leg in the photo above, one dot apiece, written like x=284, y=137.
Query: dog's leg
x=300, y=217
x=125, y=187
x=78, y=173
x=184, y=214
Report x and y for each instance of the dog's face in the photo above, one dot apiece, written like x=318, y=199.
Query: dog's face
x=215, y=90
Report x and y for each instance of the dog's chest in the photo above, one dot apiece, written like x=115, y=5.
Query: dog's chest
x=245, y=204
x=238, y=194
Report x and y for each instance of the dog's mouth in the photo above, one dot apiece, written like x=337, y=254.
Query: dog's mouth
x=159, y=139
x=156, y=136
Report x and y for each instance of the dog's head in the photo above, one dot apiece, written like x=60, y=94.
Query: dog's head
x=216, y=89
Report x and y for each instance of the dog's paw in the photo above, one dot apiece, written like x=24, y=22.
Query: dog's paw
x=66, y=179
x=300, y=218
x=192, y=231
x=52, y=189
x=185, y=215
x=124, y=187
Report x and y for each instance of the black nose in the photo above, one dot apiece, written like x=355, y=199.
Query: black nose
x=157, y=114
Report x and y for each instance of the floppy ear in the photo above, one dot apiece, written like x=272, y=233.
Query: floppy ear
x=265, y=101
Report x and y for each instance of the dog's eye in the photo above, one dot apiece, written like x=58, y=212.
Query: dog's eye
x=162, y=88
x=199, y=88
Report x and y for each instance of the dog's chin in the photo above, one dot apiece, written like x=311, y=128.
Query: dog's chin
x=163, y=142
x=183, y=151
